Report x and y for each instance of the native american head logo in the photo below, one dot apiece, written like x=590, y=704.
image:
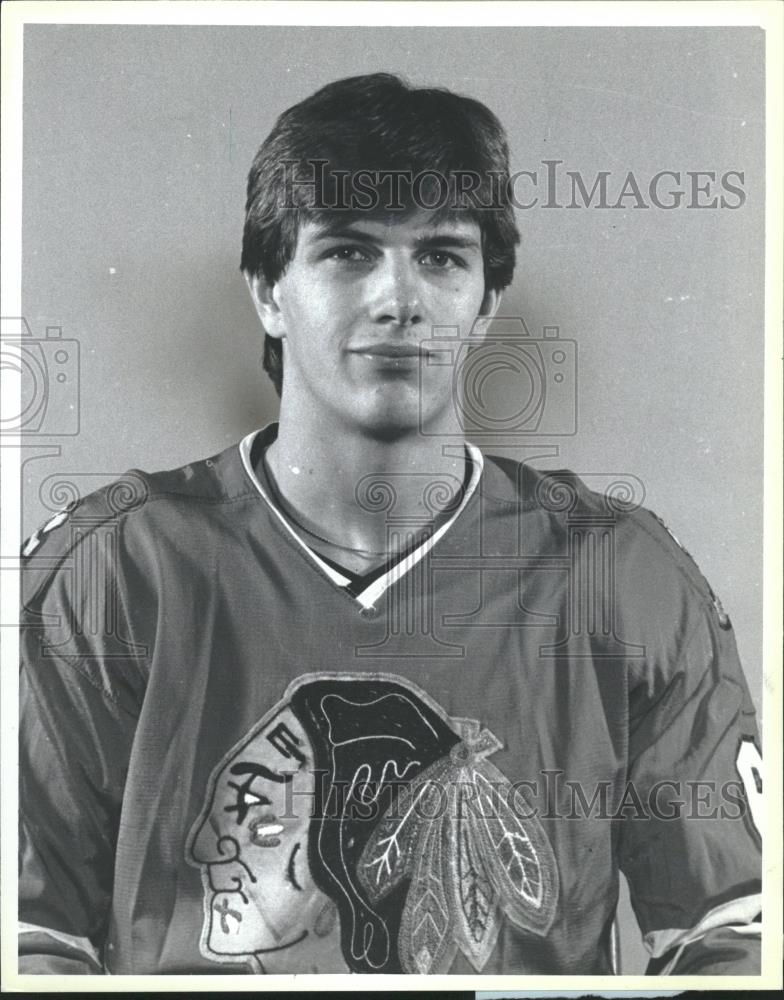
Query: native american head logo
x=357, y=815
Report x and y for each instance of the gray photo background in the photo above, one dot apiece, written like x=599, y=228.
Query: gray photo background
x=137, y=142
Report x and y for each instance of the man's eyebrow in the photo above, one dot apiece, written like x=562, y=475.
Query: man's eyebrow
x=448, y=239
x=331, y=232
x=337, y=232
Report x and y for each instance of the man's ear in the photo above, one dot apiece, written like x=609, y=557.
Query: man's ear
x=263, y=295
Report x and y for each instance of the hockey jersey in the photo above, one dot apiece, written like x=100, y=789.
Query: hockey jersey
x=231, y=760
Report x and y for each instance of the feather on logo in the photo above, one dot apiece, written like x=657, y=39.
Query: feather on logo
x=468, y=864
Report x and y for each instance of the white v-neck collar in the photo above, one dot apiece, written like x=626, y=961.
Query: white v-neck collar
x=370, y=595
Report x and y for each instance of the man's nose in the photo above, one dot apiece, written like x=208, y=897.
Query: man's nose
x=396, y=297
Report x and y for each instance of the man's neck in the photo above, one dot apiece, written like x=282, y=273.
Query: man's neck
x=364, y=493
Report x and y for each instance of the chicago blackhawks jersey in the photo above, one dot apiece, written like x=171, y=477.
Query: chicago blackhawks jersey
x=236, y=757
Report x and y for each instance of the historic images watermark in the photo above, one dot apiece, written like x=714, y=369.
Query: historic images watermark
x=550, y=795
x=552, y=184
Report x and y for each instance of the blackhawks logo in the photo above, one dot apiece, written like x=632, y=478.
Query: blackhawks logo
x=358, y=820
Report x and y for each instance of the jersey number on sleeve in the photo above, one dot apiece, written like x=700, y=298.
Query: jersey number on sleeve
x=749, y=765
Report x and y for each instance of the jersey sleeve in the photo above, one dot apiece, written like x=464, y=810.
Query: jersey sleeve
x=692, y=856
x=80, y=691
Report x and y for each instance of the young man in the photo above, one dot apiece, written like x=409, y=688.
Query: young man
x=353, y=696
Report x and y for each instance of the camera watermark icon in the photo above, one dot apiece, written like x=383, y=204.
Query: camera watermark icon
x=49, y=371
x=506, y=382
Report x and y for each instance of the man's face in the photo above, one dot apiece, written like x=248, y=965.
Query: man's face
x=356, y=308
x=253, y=843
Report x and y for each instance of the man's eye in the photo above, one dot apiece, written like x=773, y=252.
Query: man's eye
x=350, y=254
x=440, y=259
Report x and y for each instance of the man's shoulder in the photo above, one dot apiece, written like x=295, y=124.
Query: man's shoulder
x=571, y=508
x=139, y=499
x=559, y=492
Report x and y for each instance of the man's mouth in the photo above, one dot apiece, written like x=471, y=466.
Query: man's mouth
x=391, y=350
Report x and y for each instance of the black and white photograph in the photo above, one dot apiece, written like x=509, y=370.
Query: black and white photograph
x=391, y=452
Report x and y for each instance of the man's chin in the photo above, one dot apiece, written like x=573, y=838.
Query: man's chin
x=388, y=430
x=396, y=421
